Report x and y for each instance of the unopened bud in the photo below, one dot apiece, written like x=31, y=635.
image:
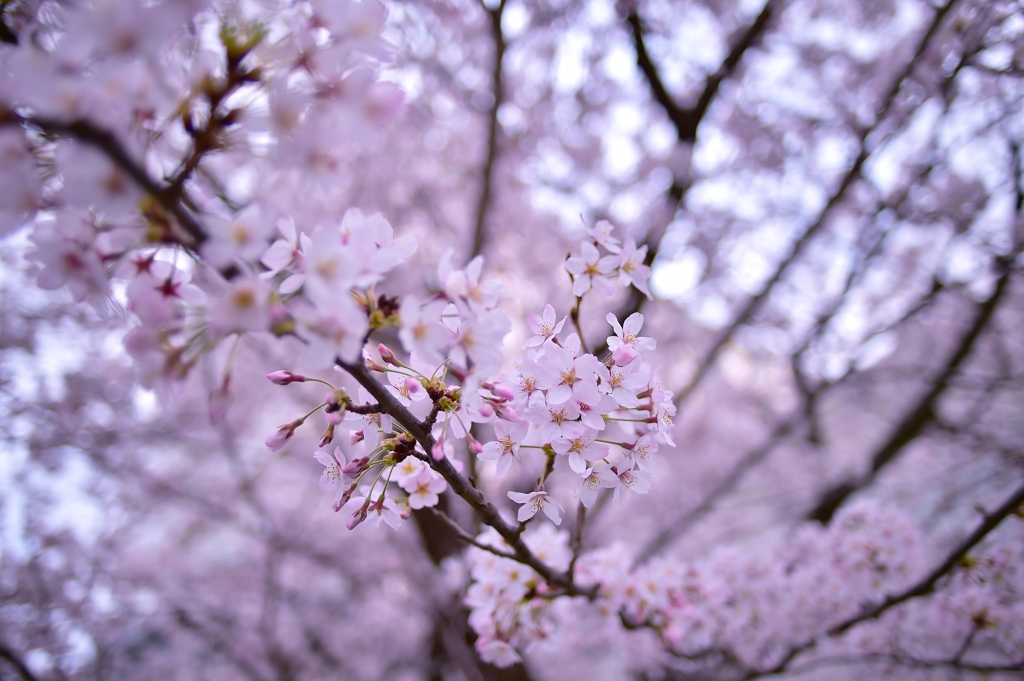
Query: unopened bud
x=355, y=466
x=328, y=436
x=474, y=444
x=506, y=412
x=284, y=377
x=486, y=410
x=276, y=440
x=502, y=391
x=387, y=355
x=624, y=354
x=437, y=451
x=412, y=385
x=357, y=517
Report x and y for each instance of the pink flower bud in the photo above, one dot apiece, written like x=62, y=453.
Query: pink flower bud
x=334, y=417
x=328, y=436
x=486, y=410
x=412, y=385
x=437, y=451
x=277, y=440
x=355, y=466
x=387, y=355
x=284, y=377
x=344, y=498
x=357, y=517
x=474, y=444
x=506, y=412
x=623, y=355
x=502, y=391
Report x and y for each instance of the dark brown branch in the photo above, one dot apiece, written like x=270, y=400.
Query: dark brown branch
x=497, y=87
x=88, y=132
x=487, y=512
x=466, y=537
x=686, y=122
x=23, y=671
x=687, y=119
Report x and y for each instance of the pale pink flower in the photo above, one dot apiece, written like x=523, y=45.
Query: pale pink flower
x=425, y=488
x=581, y=450
x=592, y=481
x=506, y=447
x=634, y=480
x=334, y=478
x=497, y=652
x=628, y=334
x=537, y=501
x=406, y=472
x=601, y=233
x=591, y=271
x=243, y=307
x=632, y=269
x=421, y=329
x=543, y=328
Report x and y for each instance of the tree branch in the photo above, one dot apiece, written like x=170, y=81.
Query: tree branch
x=88, y=132
x=852, y=174
x=922, y=588
x=923, y=413
x=487, y=512
x=484, y=201
x=23, y=671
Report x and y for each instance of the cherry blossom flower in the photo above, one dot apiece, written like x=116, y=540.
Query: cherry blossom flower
x=634, y=480
x=581, y=450
x=593, y=480
x=543, y=328
x=624, y=382
x=243, y=307
x=497, y=652
x=333, y=477
x=632, y=269
x=537, y=501
x=556, y=421
x=421, y=329
x=628, y=335
x=565, y=376
x=506, y=447
x=244, y=237
x=601, y=233
x=591, y=271
x=425, y=488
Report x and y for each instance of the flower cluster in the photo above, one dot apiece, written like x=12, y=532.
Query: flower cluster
x=100, y=94
x=510, y=605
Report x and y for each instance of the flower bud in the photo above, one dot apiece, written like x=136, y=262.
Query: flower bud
x=437, y=451
x=357, y=517
x=623, y=355
x=501, y=391
x=413, y=385
x=474, y=444
x=328, y=436
x=387, y=355
x=284, y=377
x=277, y=440
x=506, y=412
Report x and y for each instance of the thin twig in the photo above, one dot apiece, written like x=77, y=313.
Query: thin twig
x=467, y=537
